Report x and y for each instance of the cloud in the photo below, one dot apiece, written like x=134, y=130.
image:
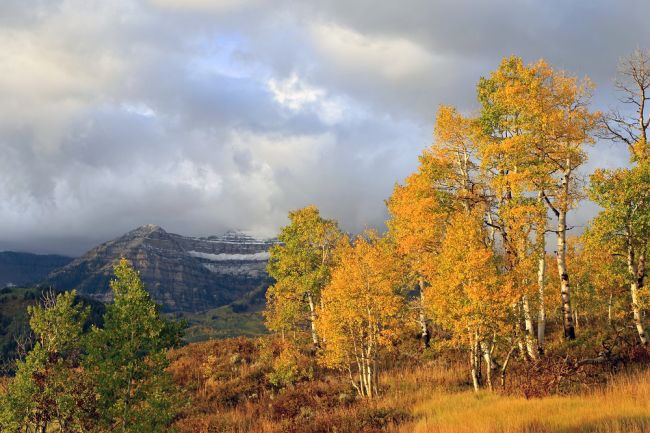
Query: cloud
x=203, y=116
x=293, y=93
x=392, y=59
x=220, y=6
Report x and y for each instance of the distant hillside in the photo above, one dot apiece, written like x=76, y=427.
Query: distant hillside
x=25, y=269
x=183, y=274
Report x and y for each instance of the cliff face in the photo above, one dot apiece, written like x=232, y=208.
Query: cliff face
x=183, y=274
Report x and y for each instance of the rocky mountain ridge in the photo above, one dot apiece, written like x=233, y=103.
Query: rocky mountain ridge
x=183, y=274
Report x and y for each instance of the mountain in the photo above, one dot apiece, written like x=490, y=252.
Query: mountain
x=183, y=274
x=23, y=269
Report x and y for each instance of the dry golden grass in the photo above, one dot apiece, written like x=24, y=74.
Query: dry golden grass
x=622, y=407
x=226, y=385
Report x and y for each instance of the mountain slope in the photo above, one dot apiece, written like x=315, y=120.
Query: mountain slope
x=23, y=269
x=183, y=274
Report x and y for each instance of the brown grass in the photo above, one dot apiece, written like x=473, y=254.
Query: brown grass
x=227, y=389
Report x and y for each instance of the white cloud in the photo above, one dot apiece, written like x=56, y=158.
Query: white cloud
x=394, y=58
x=139, y=108
x=294, y=93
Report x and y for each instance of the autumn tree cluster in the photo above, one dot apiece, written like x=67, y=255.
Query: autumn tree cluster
x=103, y=379
x=477, y=249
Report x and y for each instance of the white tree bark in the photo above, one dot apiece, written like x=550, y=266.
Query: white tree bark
x=531, y=346
x=565, y=288
x=312, y=320
x=541, y=273
x=426, y=337
x=637, y=281
x=475, y=362
x=490, y=365
x=541, y=312
x=609, y=310
x=636, y=311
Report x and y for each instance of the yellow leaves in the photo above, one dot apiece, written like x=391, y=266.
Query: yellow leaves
x=362, y=305
x=535, y=122
x=465, y=286
x=451, y=129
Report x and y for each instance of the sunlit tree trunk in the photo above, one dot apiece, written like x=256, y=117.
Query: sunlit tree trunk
x=475, y=362
x=490, y=365
x=426, y=337
x=312, y=320
x=531, y=347
x=609, y=310
x=636, y=310
x=504, y=367
x=565, y=288
x=637, y=283
x=541, y=273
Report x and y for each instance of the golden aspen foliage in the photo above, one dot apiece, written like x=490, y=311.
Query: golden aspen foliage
x=535, y=122
x=467, y=294
x=363, y=310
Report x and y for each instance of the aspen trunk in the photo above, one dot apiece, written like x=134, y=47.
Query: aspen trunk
x=531, y=348
x=312, y=320
x=504, y=367
x=364, y=377
x=426, y=337
x=609, y=310
x=635, y=285
x=541, y=312
x=368, y=378
x=489, y=362
x=565, y=288
x=475, y=362
x=541, y=272
x=636, y=310
x=375, y=385
x=476, y=381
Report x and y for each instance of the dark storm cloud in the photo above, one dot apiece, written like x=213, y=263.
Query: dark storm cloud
x=205, y=115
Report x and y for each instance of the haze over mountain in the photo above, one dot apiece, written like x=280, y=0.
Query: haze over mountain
x=183, y=274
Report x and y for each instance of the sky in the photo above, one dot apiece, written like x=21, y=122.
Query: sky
x=208, y=115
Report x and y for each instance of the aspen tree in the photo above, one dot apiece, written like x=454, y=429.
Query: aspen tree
x=514, y=174
x=538, y=122
x=363, y=309
x=446, y=178
x=623, y=226
x=467, y=295
x=300, y=265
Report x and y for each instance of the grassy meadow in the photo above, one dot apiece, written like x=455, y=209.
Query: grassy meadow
x=228, y=388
